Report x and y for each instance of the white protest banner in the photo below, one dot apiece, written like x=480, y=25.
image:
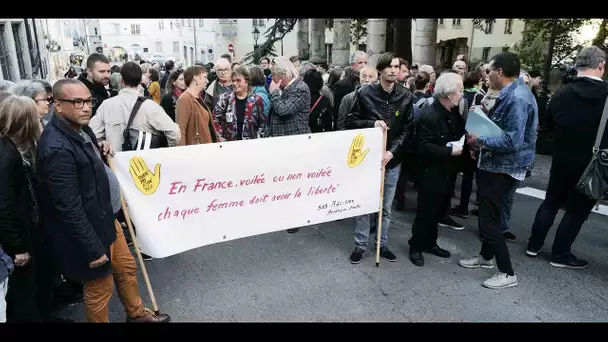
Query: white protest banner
x=182, y=198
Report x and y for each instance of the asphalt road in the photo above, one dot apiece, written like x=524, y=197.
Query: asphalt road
x=307, y=277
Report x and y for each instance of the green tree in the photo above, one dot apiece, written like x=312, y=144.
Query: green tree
x=533, y=48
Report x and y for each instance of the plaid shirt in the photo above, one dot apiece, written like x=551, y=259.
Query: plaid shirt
x=290, y=110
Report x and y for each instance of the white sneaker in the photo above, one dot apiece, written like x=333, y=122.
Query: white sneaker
x=500, y=281
x=477, y=262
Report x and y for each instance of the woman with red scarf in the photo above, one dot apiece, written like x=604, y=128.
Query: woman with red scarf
x=175, y=87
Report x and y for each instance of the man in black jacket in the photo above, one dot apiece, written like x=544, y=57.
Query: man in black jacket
x=573, y=116
x=388, y=105
x=78, y=196
x=96, y=78
x=439, y=125
x=347, y=85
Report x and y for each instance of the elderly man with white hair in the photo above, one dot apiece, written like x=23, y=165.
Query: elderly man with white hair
x=221, y=85
x=358, y=61
x=290, y=98
x=460, y=67
x=439, y=125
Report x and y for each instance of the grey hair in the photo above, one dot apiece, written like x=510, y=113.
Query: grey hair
x=115, y=79
x=305, y=67
x=5, y=85
x=355, y=55
x=447, y=84
x=222, y=61
x=426, y=68
x=283, y=66
x=145, y=67
x=590, y=58
x=27, y=88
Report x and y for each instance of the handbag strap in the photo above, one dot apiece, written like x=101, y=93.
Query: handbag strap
x=315, y=105
x=600, y=130
x=140, y=100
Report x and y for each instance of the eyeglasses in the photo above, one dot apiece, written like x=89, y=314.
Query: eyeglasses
x=79, y=103
x=42, y=100
x=223, y=70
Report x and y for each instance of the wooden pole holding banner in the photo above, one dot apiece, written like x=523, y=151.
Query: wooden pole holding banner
x=379, y=225
x=136, y=244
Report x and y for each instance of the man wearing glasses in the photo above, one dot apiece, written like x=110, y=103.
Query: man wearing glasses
x=223, y=83
x=79, y=197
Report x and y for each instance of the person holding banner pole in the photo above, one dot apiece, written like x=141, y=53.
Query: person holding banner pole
x=387, y=105
x=80, y=197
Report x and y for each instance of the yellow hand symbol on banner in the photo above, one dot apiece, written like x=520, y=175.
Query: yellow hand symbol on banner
x=356, y=153
x=146, y=181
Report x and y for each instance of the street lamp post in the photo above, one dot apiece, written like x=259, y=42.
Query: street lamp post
x=256, y=35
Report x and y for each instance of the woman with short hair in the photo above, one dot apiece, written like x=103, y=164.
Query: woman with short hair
x=239, y=114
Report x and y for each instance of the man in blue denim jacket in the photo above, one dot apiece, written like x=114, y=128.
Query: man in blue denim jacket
x=6, y=267
x=503, y=163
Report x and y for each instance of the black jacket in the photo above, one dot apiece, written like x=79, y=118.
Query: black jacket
x=342, y=88
x=15, y=211
x=436, y=127
x=573, y=116
x=168, y=102
x=395, y=108
x=98, y=92
x=74, y=191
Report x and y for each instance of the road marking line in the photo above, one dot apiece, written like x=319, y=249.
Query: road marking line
x=602, y=210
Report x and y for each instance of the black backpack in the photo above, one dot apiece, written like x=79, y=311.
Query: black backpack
x=139, y=140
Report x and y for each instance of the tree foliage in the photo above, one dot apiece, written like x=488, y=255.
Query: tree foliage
x=533, y=47
x=601, y=38
x=275, y=33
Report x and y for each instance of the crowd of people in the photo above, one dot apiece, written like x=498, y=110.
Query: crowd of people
x=60, y=205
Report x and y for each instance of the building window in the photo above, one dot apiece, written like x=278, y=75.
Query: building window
x=489, y=26
x=19, y=49
x=485, y=55
x=116, y=28
x=176, y=47
x=183, y=22
x=135, y=29
x=192, y=59
x=456, y=22
x=328, y=48
x=159, y=47
x=259, y=22
x=5, y=61
x=505, y=49
x=96, y=32
x=440, y=22
x=363, y=47
x=146, y=50
x=201, y=22
x=509, y=26
x=161, y=25
x=171, y=25
x=185, y=54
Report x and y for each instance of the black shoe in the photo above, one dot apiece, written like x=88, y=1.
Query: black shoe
x=531, y=251
x=509, y=237
x=460, y=212
x=292, y=230
x=448, y=222
x=386, y=254
x=528, y=173
x=356, y=256
x=568, y=261
x=440, y=252
x=475, y=211
x=416, y=258
x=146, y=257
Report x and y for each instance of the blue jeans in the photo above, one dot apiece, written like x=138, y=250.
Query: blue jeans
x=505, y=217
x=364, y=225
